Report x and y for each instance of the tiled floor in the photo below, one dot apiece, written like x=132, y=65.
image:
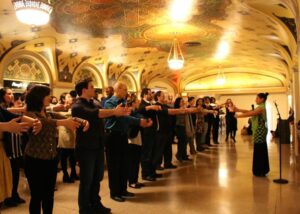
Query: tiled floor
x=219, y=181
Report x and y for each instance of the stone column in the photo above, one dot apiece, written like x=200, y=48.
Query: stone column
x=296, y=107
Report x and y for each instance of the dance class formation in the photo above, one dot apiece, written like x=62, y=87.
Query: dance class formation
x=40, y=133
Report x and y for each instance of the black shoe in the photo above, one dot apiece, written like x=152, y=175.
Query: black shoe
x=140, y=184
x=128, y=194
x=99, y=208
x=74, y=177
x=187, y=159
x=19, y=200
x=201, y=149
x=216, y=142
x=67, y=179
x=118, y=198
x=134, y=186
x=149, y=178
x=170, y=166
x=158, y=175
x=9, y=202
x=160, y=168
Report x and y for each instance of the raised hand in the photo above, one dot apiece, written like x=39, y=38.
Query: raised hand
x=120, y=111
x=37, y=126
x=86, y=125
x=71, y=124
x=146, y=123
x=15, y=127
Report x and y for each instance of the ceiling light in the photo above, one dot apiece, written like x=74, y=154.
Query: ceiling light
x=32, y=12
x=175, y=59
x=181, y=10
x=223, y=50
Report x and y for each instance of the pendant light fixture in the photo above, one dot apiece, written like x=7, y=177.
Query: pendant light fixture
x=175, y=59
x=33, y=12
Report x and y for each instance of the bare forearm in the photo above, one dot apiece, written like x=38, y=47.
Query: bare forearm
x=242, y=110
x=176, y=111
x=104, y=113
x=17, y=110
x=28, y=120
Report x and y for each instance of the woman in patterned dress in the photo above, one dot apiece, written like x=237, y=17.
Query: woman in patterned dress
x=259, y=128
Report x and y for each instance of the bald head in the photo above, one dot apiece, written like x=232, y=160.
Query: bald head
x=120, y=89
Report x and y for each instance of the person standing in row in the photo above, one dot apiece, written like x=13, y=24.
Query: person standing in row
x=260, y=165
x=116, y=130
x=190, y=126
x=90, y=147
x=147, y=110
x=134, y=147
x=231, y=121
x=66, y=143
x=41, y=155
x=215, y=120
x=208, y=118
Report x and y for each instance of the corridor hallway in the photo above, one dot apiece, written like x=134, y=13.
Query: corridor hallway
x=219, y=181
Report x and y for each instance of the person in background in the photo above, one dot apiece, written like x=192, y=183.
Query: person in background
x=200, y=128
x=162, y=127
x=96, y=98
x=208, y=118
x=66, y=143
x=190, y=126
x=13, y=148
x=54, y=100
x=134, y=147
x=181, y=131
x=260, y=165
x=231, y=121
x=109, y=93
x=147, y=110
x=215, y=120
x=41, y=149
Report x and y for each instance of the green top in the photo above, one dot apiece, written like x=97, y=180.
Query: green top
x=255, y=120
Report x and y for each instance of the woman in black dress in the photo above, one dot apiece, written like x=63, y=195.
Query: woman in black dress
x=231, y=121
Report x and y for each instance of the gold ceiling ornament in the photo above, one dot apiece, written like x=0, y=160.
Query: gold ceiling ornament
x=221, y=79
x=33, y=12
x=175, y=59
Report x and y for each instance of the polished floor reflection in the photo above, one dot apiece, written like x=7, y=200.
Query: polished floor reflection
x=219, y=181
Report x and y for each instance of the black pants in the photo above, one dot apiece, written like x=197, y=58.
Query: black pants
x=215, y=129
x=209, y=127
x=91, y=163
x=41, y=176
x=260, y=159
x=15, y=169
x=117, y=162
x=168, y=149
x=64, y=155
x=182, y=143
x=134, y=154
x=161, y=142
x=148, y=147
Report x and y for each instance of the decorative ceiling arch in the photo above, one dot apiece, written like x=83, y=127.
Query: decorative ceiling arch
x=24, y=65
x=88, y=70
x=130, y=81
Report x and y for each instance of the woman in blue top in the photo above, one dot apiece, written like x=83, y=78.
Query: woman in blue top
x=259, y=132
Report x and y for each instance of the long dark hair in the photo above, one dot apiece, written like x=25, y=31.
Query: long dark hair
x=3, y=91
x=177, y=102
x=198, y=100
x=263, y=96
x=35, y=97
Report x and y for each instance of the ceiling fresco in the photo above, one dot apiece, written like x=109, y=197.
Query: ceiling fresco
x=136, y=35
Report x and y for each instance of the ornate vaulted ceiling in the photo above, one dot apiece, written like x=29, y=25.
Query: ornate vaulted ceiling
x=135, y=36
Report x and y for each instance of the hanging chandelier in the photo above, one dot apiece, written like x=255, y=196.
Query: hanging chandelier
x=175, y=59
x=221, y=77
x=33, y=12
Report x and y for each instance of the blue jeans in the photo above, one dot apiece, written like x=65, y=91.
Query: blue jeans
x=91, y=163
